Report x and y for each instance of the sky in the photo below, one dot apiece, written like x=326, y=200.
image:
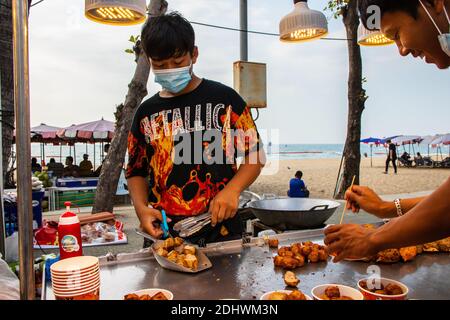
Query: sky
x=79, y=72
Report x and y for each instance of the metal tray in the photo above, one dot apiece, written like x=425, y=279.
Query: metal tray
x=203, y=262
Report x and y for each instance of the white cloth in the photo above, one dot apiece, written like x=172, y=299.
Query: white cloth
x=9, y=283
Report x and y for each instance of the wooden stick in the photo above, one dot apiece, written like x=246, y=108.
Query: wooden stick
x=346, y=202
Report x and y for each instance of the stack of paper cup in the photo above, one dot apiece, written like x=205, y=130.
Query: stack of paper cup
x=76, y=278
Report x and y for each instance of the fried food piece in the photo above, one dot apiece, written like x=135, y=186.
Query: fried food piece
x=289, y=263
x=178, y=241
x=388, y=256
x=169, y=243
x=291, y=279
x=324, y=297
x=323, y=256
x=273, y=243
x=444, y=245
x=313, y=257
x=419, y=249
x=191, y=261
x=306, y=250
x=145, y=297
x=283, y=251
x=300, y=260
x=332, y=292
x=278, y=261
x=431, y=247
x=131, y=296
x=296, y=295
x=159, y=296
x=408, y=253
x=296, y=248
x=162, y=252
x=380, y=292
x=307, y=243
x=189, y=249
x=393, y=289
x=173, y=256
x=316, y=247
x=278, y=296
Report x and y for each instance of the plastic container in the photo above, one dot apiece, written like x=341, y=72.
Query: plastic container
x=69, y=234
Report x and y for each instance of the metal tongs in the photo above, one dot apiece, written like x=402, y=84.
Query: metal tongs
x=189, y=226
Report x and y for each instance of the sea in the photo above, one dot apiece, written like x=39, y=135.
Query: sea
x=274, y=151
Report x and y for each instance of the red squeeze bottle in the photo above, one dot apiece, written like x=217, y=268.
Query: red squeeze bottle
x=69, y=234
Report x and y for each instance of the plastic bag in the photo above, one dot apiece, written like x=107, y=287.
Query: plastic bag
x=12, y=248
x=9, y=283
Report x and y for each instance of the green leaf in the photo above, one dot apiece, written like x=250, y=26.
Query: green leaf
x=129, y=51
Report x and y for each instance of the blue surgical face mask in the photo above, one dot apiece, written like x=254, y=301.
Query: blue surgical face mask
x=174, y=80
x=444, y=38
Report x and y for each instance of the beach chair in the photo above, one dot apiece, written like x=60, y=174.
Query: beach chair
x=419, y=162
x=405, y=163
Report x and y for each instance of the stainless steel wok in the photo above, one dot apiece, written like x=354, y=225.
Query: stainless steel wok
x=293, y=213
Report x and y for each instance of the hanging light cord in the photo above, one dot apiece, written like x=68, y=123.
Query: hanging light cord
x=254, y=32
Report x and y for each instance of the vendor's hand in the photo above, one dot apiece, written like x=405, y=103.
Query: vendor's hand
x=224, y=206
x=151, y=222
x=360, y=197
x=349, y=241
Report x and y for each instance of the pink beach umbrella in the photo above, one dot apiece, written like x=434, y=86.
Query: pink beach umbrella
x=95, y=130
x=47, y=132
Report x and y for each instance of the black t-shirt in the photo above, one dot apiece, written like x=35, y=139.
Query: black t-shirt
x=187, y=146
x=394, y=151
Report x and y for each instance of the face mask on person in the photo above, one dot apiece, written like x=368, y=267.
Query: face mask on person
x=444, y=38
x=174, y=80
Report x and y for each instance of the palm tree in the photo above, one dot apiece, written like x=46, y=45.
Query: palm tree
x=137, y=90
x=356, y=93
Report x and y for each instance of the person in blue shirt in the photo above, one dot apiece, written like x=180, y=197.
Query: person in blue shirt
x=297, y=187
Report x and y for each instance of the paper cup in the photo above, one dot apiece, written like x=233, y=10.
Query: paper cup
x=368, y=295
x=151, y=292
x=76, y=274
x=71, y=280
x=74, y=264
x=93, y=294
x=75, y=271
x=71, y=287
x=350, y=292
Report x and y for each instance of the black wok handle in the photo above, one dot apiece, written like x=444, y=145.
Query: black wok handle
x=324, y=206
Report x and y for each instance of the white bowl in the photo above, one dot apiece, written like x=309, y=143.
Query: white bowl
x=266, y=295
x=151, y=292
x=350, y=292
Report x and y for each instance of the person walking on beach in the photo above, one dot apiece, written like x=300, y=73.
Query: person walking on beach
x=297, y=187
x=392, y=156
x=420, y=28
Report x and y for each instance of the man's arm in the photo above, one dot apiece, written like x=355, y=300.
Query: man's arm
x=428, y=221
x=138, y=189
x=225, y=204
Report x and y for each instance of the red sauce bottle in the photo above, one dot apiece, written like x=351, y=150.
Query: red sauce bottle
x=69, y=234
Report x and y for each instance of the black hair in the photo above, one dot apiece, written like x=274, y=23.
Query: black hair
x=408, y=6
x=33, y=160
x=106, y=147
x=388, y=140
x=299, y=174
x=69, y=158
x=167, y=36
x=52, y=160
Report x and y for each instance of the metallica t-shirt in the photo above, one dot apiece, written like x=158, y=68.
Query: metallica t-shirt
x=187, y=146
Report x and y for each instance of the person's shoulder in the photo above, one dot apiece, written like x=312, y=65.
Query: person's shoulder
x=219, y=87
x=149, y=103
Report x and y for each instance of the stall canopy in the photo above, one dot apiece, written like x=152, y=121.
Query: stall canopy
x=101, y=130
x=441, y=139
x=403, y=140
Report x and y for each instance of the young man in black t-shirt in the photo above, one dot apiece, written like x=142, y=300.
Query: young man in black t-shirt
x=185, y=139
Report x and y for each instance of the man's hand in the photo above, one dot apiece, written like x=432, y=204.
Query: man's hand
x=224, y=206
x=349, y=241
x=360, y=197
x=151, y=222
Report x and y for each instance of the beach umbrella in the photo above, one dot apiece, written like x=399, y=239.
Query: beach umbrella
x=427, y=141
x=47, y=132
x=404, y=140
x=92, y=131
x=371, y=141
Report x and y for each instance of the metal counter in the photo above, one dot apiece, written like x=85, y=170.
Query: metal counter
x=247, y=271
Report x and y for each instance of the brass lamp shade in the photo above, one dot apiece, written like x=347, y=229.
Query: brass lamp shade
x=116, y=12
x=371, y=38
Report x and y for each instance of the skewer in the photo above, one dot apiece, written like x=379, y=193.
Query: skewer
x=346, y=202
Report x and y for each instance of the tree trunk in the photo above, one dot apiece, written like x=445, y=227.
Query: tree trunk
x=111, y=168
x=356, y=100
x=7, y=87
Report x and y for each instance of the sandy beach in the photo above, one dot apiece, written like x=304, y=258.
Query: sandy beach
x=320, y=177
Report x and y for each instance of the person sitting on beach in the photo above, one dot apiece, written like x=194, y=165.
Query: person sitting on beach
x=35, y=166
x=99, y=169
x=71, y=170
x=419, y=160
x=57, y=168
x=86, y=166
x=406, y=159
x=297, y=187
